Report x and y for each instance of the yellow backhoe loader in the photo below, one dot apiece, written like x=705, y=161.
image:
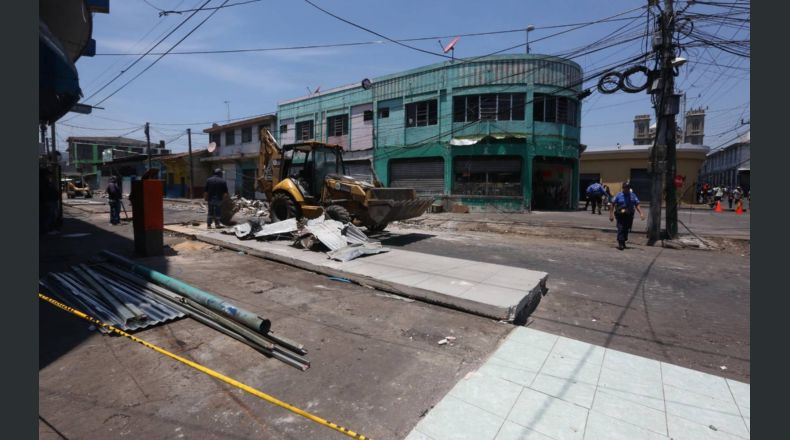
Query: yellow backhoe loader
x=308, y=178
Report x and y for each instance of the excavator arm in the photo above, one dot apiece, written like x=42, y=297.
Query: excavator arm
x=270, y=163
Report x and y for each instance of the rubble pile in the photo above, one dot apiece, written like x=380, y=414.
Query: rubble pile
x=341, y=241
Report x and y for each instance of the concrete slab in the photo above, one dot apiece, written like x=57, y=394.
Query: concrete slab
x=572, y=390
x=490, y=290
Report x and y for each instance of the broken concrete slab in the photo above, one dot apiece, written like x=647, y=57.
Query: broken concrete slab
x=494, y=291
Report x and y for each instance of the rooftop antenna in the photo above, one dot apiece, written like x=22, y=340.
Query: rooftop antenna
x=450, y=47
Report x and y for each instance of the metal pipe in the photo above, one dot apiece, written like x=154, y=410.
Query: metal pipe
x=216, y=321
x=236, y=313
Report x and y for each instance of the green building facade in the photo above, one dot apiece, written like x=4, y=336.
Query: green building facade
x=499, y=132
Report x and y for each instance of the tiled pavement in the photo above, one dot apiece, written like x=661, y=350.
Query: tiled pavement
x=539, y=386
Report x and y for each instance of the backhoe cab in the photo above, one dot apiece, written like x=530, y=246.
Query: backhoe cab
x=309, y=178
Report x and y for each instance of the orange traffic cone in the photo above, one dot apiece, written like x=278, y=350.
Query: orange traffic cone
x=718, y=207
x=739, y=209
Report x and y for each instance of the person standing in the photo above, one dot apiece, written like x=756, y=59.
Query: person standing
x=624, y=205
x=216, y=191
x=730, y=197
x=718, y=193
x=595, y=195
x=737, y=194
x=114, y=195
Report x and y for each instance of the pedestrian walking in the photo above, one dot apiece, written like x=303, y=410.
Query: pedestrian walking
x=624, y=205
x=114, y=194
x=730, y=197
x=216, y=191
x=595, y=194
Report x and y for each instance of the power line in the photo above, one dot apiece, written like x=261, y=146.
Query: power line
x=163, y=55
x=142, y=56
x=165, y=13
x=376, y=33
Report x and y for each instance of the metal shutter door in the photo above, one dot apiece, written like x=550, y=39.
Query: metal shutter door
x=426, y=176
x=359, y=170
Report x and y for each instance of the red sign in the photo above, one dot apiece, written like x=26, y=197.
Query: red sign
x=679, y=181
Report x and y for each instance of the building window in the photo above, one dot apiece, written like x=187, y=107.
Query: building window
x=246, y=134
x=487, y=175
x=421, y=114
x=304, y=130
x=84, y=152
x=214, y=137
x=384, y=112
x=337, y=125
x=489, y=107
x=559, y=109
x=367, y=115
x=283, y=128
x=230, y=137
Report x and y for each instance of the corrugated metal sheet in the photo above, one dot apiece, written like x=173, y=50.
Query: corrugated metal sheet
x=71, y=290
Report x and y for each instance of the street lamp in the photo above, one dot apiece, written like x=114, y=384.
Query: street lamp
x=530, y=28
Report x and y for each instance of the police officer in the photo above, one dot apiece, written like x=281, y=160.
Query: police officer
x=623, y=207
x=595, y=193
x=216, y=190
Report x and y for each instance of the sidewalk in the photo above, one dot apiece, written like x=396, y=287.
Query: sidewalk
x=702, y=222
x=490, y=290
x=546, y=387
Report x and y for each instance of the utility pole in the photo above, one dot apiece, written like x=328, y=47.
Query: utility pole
x=148, y=142
x=191, y=165
x=662, y=156
x=671, y=103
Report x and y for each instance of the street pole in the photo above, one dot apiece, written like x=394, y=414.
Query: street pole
x=669, y=96
x=191, y=165
x=148, y=142
x=662, y=156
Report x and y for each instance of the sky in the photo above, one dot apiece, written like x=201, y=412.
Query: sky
x=183, y=91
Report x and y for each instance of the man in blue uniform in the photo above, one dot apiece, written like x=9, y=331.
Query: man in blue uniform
x=216, y=191
x=623, y=207
x=595, y=194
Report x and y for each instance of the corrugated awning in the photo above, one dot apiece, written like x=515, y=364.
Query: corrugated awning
x=472, y=140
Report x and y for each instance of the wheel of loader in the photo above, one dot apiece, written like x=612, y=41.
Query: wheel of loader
x=337, y=212
x=377, y=228
x=282, y=207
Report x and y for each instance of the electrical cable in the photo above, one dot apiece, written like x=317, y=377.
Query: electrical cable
x=142, y=56
x=163, y=55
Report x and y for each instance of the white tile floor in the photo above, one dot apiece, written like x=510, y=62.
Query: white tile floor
x=539, y=386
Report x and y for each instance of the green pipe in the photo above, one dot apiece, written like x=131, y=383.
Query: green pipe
x=223, y=307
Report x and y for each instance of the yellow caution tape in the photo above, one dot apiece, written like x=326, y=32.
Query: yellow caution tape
x=209, y=371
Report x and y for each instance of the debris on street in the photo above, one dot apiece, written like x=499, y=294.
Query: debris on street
x=230, y=319
x=119, y=304
x=344, y=241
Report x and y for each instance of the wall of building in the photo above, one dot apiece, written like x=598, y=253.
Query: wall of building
x=614, y=169
x=524, y=139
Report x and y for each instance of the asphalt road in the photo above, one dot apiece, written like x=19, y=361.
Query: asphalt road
x=376, y=365
x=687, y=307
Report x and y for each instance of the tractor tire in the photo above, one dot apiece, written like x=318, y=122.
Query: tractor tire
x=282, y=207
x=338, y=213
x=377, y=228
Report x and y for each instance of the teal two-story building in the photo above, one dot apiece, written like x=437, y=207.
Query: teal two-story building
x=497, y=132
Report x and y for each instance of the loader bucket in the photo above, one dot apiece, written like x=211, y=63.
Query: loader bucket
x=382, y=212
